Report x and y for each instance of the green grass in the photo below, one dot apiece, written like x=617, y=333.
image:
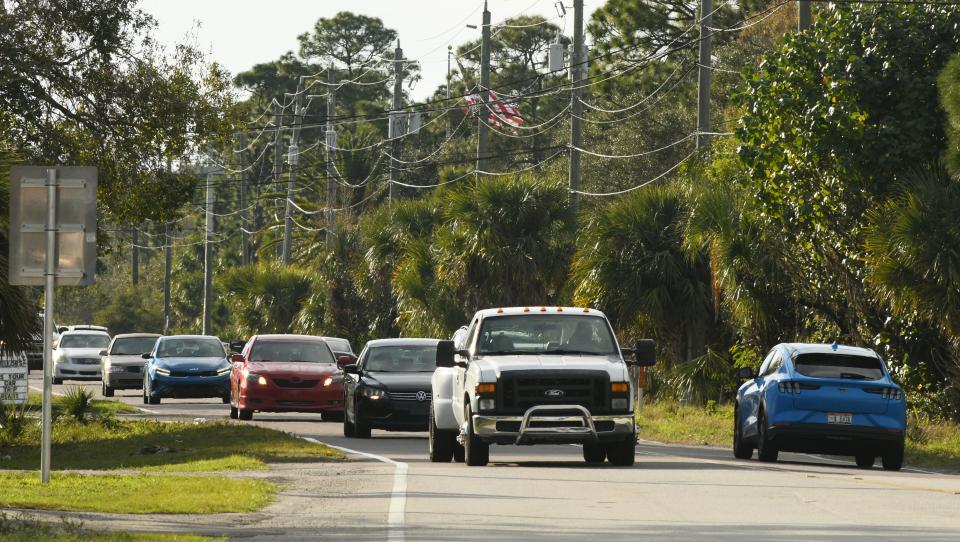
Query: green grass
x=206, y=447
x=929, y=444
x=135, y=493
x=23, y=527
x=98, y=406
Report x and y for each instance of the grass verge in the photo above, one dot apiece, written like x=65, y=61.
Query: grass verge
x=97, y=406
x=929, y=444
x=26, y=528
x=134, y=493
x=160, y=446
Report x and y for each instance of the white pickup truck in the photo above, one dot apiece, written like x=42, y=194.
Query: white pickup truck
x=535, y=375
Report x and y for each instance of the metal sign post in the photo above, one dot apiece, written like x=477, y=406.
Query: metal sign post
x=53, y=240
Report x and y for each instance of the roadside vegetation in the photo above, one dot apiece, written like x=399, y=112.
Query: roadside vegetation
x=23, y=527
x=930, y=443
x=72, y=403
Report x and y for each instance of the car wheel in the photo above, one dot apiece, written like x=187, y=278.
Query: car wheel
x=361, y=429
x=244, y=414
x=766, y=450
x=892, y=459
x=441, y=442
x=476, y=452
x=865, y=461
x=622, y=454
x=741, y=449
x=57, y=381
x=348, y=428
x=107, y=391
x=594, y=453
x=234, y=412
x=458, y=452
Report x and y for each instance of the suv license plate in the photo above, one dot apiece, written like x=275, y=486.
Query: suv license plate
x=840, y=418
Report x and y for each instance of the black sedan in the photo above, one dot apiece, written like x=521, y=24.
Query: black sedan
x=389, y=387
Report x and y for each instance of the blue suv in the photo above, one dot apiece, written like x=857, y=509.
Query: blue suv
x=821, y=398
x=186, y=366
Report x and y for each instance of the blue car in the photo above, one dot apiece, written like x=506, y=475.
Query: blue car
x=821, y=398
x=186, y=366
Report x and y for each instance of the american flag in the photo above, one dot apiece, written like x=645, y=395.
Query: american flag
x=501, y=113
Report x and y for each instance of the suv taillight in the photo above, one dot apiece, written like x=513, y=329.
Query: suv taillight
x=893, y=394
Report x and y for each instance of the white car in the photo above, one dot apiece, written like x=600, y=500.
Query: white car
x=76, y=355
x=122, y=363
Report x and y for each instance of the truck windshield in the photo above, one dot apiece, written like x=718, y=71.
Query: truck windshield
x=546, y=334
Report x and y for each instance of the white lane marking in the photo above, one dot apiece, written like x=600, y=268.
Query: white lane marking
x=398, y=497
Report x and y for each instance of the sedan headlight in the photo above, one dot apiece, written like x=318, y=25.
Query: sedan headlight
x=374, y=394
x=223, y=370
x=331, y=380
x=254, y=378
x=162, y=371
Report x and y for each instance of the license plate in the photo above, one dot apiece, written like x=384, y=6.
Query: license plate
x=840, y=418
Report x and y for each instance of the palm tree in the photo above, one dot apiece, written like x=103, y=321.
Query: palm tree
x=19, y=321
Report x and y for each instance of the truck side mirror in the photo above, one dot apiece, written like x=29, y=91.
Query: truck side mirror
x=745, y=373
x=645, y=352
x=446, y=350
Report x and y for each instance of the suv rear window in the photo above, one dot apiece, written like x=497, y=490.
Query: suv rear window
x=838, y=366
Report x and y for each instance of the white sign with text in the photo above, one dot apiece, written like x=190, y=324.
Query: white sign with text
x=13, y=379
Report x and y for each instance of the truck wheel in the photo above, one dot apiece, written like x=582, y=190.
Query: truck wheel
x=892, y=459
x=594, y=453
x=476, y=452
x=766, y=450
x=441, y=442
x=622, y=454
x=741, y=448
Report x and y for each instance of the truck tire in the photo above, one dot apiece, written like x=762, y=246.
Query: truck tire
x=441, y=442
x=622, y=454
x=476, y=452
x=594, y=453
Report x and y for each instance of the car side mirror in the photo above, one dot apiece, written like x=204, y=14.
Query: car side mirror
x=62, y=329
x=745, y=373
x=446, y=351
x=345, y=360
x=645, y=353
x=146, y=355
x=103, y=353
x=351, y=368
x=236, y=358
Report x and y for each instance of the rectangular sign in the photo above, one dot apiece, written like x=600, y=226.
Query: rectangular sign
x=76, y=224
x=13, y=379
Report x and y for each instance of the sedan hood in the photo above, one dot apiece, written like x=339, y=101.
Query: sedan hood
x=80, y=352
x=203, y=364
x=399, y=381
x=293, y=368
x=120, y=359
x=491, y=367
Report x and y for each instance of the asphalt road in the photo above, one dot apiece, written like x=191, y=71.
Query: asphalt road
x=392, y=491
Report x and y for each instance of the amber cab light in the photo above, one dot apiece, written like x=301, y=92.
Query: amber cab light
x=619, y=387
x=486, y=388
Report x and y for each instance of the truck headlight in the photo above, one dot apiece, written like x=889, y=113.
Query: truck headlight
x=487, y=403
x=620, y=403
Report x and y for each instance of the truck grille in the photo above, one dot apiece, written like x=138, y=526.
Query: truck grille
x=518, y=391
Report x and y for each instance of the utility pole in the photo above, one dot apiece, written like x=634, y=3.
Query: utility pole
x=244, y=221
x=277, y=122
x=135, y=257
x=577, y=62
x=208, y=253
x=331, y=139
x=805, y=16
x=482, y=128
x=395, y=115
x=293, y=158
x=703, y=94
x=449, y=117
x=167, y=267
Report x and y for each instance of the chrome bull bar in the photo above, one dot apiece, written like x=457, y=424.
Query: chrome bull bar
x=587, y=429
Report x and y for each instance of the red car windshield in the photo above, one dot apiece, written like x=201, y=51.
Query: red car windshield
x=299, y=351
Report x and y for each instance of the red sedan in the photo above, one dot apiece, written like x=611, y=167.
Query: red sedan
x=286, y=373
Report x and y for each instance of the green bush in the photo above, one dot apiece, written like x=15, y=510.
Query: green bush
x=76, y=403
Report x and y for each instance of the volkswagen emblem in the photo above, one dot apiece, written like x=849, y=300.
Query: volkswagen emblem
x=553, y=393
x=421, y=396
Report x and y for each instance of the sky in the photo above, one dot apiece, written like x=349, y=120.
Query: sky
x=240, y=33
